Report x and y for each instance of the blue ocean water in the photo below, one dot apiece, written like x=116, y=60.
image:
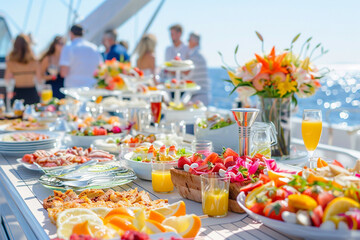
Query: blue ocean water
x=338, y=97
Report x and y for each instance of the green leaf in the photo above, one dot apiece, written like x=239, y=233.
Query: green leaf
x=309, y=39
x=295, y=38
x=223, y=67
x=259, y=36
x=220, y=53
x=226, y=80
x=232, y=91
x=236, y=49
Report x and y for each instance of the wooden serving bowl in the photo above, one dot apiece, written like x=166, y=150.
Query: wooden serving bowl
x=189, y=187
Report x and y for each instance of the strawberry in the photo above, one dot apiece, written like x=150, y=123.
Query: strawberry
x=229, y=152
x=182, y=161
x=229, y=161
x=217, y=167
x=212, y=157
x=196, y=157
x=317, y=215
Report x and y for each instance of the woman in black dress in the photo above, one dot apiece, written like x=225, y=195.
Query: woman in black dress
x=50, y=66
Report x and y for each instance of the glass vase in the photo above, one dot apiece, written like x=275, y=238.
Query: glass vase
x=277, y=111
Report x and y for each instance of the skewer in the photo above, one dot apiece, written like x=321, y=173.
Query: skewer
x=204, y=216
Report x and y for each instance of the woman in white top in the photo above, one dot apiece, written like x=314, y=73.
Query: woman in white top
x=146, y=56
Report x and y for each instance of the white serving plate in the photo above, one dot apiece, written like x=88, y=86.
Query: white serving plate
x=34, y=167
x=86, y=141
x=193, y=89
x=297, y=230
x=52, y=138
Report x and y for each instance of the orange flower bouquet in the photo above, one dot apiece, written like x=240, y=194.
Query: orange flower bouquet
x=113, y=75
x=276, y=78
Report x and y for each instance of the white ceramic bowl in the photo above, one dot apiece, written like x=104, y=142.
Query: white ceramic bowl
x=142, y=169
x=86, y=141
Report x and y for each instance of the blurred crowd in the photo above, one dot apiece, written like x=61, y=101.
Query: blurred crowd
x=72, y=65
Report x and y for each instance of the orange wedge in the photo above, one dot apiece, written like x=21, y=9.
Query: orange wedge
x=156, y=216
x=302, y=201
x=312, y=178
x=121, y=213
x=153, y=227
x=279, y=179
x=187, y=226
x=81, y=228
x=175, y=209
x=321, y=163
x=339, y=205
x=121, y=223
x=98, y=99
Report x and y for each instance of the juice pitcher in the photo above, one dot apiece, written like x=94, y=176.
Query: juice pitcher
x=263, y=136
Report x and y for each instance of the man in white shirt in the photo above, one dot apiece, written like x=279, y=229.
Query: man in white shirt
x=178, y=47
x=79, y=60
x=199, y=74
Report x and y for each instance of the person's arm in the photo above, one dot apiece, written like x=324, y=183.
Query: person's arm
x=64, y=62
x=8, y=74
x=43, y=67
x=39, y=77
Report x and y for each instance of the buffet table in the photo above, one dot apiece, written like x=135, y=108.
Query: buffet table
x=23, y=216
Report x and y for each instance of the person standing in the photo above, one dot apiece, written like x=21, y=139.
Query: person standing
x=178, y=47
x=50, y=67
x=79, y=60
x=22, y=66
x=113, y=50
x=199, y=74
x=146, y=54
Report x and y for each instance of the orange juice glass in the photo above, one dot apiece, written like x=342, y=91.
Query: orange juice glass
x=46, y=93
x=311, y=128
x=215, y=194
x=161, y=177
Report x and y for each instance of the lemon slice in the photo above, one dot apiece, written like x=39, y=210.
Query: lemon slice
x=339, y=205
x=101, y=211
x=66, y=227
x=72, y=212
x=251, y=197
x=175, y=209
x=139, y=221
x=187, y=226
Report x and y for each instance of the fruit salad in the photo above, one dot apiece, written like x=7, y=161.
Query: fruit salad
x=243, y=169
x=327, y=197
x=145, y=153
x=215, y=121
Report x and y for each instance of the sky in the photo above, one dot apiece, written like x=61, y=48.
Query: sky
x=221, y=24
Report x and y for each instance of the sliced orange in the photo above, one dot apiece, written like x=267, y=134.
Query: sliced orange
x=187, y=226
x=339, y=205
x=120, y=212
x=302, y=201
x=98, y=99
x=81, y=229
x=156, y=216
x=121, y=223
x=279, y=179
x=312, y=178
x=153, y=227
x=116, y=228
x=175, y=209
x=321, y=163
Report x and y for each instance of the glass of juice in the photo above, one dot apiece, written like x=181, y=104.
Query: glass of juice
x=46, y=93
x=311, y=128
x=155, y=104
x=215, y=194
x=161, y=177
